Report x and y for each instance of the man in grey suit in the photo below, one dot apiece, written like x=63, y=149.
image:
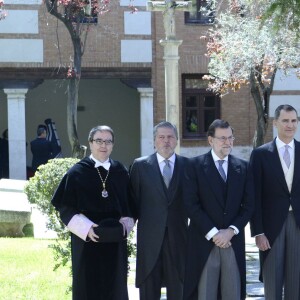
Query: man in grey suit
x=219, y=197
x=276, y=220
x=156, y=195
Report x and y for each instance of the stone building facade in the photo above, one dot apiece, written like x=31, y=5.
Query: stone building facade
x=122, y=82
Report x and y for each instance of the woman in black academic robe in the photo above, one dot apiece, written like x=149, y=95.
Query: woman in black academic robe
x=95, y=189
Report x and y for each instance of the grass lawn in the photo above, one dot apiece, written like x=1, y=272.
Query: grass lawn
x=26, y=271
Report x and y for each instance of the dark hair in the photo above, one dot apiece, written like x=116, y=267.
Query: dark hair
x=285, y=107
x=41, y=129
x=165, y=124
x=217, y=124
x=100, y=128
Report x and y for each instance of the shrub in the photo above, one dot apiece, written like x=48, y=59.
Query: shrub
x=28, y=230
x=39, y=191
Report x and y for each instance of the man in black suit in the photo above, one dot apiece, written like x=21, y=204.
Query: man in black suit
x=218, y=193
x=41, y=148
x=156, y=195
x=276, y=221
x=4, y=156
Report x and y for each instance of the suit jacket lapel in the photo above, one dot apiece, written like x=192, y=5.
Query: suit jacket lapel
x=213, y=179
x=178, y=167
x=233, y=178
x=296, y=176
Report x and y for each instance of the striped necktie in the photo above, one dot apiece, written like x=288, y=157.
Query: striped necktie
x=286, y=156
x=221, y=170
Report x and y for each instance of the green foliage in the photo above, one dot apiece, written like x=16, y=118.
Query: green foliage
x=39, y=191
x=28, y=230
x=244, y=50
x=285, y=13
x=240, y=45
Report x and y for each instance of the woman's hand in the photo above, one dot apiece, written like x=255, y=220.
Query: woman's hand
x=92, y=235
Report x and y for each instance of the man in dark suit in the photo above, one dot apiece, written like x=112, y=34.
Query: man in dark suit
x=4, y=155
x=276, y=221
x=41, y=148
x=219, y=197
x=156, y=194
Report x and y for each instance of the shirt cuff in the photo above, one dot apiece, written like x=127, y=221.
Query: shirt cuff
x=236, y=231
x=259, y=234
x=80, y=225
x=128, y=224
x=211, y=233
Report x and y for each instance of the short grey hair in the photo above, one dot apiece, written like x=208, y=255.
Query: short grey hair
x=165, y=124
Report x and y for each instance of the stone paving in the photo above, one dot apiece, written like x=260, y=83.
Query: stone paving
x=254, y=288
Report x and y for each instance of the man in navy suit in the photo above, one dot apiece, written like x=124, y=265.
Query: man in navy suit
x=156, y=195
x=219, y=198
x=41, y=148
x=276, y=221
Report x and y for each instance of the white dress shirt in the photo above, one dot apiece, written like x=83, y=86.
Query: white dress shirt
x=161, y=161
x=216, y=158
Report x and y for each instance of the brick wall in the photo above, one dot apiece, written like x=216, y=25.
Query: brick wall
x=103, y=51
x=237, y=108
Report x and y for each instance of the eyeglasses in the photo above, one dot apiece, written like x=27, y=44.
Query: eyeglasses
x=223, y=139
x=101, y=142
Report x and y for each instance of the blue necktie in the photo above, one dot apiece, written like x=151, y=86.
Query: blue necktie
x=221, y=170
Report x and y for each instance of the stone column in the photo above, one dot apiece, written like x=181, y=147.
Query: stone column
x=171, y=59
x=16, y=133
x=146, y=120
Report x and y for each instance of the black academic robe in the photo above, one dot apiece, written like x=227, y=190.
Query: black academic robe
x=99, y=269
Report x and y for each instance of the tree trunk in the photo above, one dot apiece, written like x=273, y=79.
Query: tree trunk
x=261, y=104
x=78, y=151
x=261, y=95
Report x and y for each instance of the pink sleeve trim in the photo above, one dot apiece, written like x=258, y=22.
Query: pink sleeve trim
x=80, y=226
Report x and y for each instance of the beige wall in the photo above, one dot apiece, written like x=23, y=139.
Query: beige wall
x=105, y=101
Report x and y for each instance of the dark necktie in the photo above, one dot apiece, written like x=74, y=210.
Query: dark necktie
x=167, y=173
x=286, y=156
x=221, y=170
